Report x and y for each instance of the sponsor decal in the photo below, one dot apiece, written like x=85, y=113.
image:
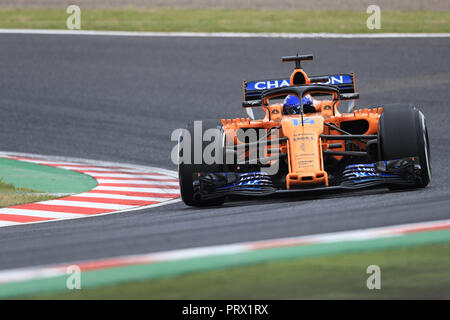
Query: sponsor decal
x=305, y=163
x=303, y=136
x=268, y=84
x=297, y=122
x=339, y=79
x=280, y=83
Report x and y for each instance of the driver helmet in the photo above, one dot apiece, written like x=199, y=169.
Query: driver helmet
x=291, y=104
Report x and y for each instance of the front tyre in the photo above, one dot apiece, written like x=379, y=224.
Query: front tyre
x=402, y=133
x=188, y=172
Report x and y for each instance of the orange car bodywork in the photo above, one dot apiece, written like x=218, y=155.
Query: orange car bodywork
x=304, y=146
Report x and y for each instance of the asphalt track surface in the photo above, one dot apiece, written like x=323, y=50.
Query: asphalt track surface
x=120, y=98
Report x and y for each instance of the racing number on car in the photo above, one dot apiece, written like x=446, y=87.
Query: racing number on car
x=297, y=122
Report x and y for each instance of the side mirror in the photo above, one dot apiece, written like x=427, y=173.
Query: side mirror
x=255, y=109
x=349, y=96
x=252, y=103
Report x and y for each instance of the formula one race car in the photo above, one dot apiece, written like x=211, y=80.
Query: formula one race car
x=308, y=136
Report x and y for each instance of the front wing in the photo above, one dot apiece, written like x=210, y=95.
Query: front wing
x=403, y=172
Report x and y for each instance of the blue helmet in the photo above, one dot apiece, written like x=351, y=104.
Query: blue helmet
x=291, y=104
x=307, y=101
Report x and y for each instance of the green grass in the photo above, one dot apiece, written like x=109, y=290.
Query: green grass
x=10, y=196
x=222, y=20
x=23, y=182
x=47, y=179
x=406, y=273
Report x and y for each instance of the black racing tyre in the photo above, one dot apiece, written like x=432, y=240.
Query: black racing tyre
x=402, y=133
x=187, y=169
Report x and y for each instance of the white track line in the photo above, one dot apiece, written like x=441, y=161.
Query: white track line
x=8, y=223
x=81, y=204
x=134, y=189
x=40, y=213
x=92, y=194
x=224, y=34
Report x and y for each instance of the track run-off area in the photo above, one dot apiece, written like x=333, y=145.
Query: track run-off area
x=117, y=99
x=119, y=188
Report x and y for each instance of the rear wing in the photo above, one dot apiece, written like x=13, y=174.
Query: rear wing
x=253, y=89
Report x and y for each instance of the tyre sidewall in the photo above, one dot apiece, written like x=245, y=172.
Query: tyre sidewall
x=403, y=133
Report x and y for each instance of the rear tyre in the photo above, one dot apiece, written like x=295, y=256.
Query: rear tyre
x=188, y=171
x=402, y=133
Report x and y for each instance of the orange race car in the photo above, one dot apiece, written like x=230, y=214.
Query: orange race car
x=302, y=133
